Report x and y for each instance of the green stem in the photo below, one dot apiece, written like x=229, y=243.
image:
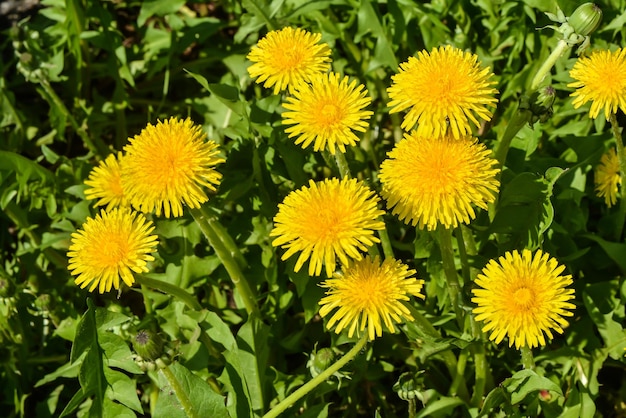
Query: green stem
x=386, y=243
x=459, y=375
x=621, y=156
x=342, y=164
x=322, y=377
x=412, y=408
x=546, y=67
x=207, y=222
x=452, y=280
x=180, y=393
x=480, y=370
x=460, y=241
x=171, y=289
x=527, y=357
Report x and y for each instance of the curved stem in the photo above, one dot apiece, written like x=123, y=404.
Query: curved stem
x=546, y=67
x=168, y=288
x=385, y=242
x=207, y=222
x=311, y=384
x=621, y=156
x=452, y=280
x=527, y=357
x=179, y=391
x=342, y=164
x=459, y=375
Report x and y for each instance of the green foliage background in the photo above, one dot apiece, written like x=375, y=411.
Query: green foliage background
x=78, y=77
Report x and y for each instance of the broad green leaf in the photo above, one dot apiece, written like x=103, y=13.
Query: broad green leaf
x=614, y=250
x=204, y=401
x=69, y=370
x=253, y=357
x=123, y=389
x=527, y=381
x=444, y=405
x=151, y=8
x=117, y=353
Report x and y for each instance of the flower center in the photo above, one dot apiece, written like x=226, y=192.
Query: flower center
x=290, y=58
x=330, y=114
x=523, y=298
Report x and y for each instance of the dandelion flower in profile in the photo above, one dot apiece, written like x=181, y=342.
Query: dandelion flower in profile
x=368, y=294
x=326, y=111
x=325, y=221
x=105, y=183
x=608, y=177
x=430, y=182
x=601, y=79
x=109, y=247
x=523, y=297
x=446, y=88
x=284, y=58
x=170, y=164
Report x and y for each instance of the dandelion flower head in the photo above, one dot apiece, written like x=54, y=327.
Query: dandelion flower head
x=523, y=297
x=445, y=89
x=105, y=183
x=111, y=246
x=368, y=294
x=608, y=177
x=601, y=79
x=430, y=182
x=325, y=221
x=170, y=164
x=287, y=57
x=326, y=111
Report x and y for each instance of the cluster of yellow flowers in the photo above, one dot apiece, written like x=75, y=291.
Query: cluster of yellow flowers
x=433, y=178
x=162, y=168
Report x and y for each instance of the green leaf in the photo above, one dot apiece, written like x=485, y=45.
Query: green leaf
x=614, y=250
x=204, y=400
x=253, y=357
x=527, y=381
x=117, y=353
x=122, y=389
x=69, y=370
x=579, y=403
x=444, y=405
x=233, y=375
x=151, y=8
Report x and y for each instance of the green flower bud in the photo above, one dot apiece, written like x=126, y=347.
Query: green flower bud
x=323, y=359
x=409, y=386
x=586, y=19
x=148, y=345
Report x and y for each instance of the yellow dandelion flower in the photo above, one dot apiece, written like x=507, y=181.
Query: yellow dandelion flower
x=284, y=58
x=444, y=89
x=608, y=177
x=523, y=297
x=170, y=164
x=368, y=294
x=601, y=79
x=327, y=220
x=430, y=182
x=105, y=183
x=326, y=111
x=110, y=247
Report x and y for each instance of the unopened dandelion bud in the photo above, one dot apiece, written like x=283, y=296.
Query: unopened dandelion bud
x=408, y=386
x=148, y=345
x=321, y=360
x=586, y=19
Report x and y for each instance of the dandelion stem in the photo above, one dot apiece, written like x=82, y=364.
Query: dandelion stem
x=171, y=289
x=459, y=375
x=207, y=223
x=386, y=243
x=447, y=256
x=179, y=391
x=342, y=164
x=621, y=156
x=527, y=358
x=547, y=65
x=311, y=384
